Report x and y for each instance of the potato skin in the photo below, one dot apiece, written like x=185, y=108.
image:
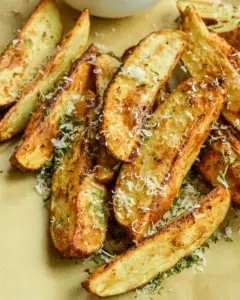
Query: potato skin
x=160, y=252
x=22, y=59
x=146, y=188
x=222, y=155
x=36, y=147
x=131, y=94
x=71, y=47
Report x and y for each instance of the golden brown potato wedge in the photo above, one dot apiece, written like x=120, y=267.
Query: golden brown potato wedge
x=230, y=31
x=172, y=140
x=71, y=47
x=132, y=92
x=78, y=221
x=105, y=67
x=36, y=147
x=203, y=57
x=231, y=53
x=29, y=51
x=220, y=160
x=211, y=11
x=160, y=252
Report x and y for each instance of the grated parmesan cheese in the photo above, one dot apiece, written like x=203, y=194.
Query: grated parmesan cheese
x=134, y=72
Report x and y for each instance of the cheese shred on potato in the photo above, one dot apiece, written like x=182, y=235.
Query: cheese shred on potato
x=78, y=220
x=204, y=57
x=163, y=250
x=28, y=52
x=36, y=92
x=37, y=145
x=146, y=188
x=131, y=94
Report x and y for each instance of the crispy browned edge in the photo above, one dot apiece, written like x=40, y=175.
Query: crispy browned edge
x=186, y=216
x=41, y=75
x=212, y=155
x=38, y=117
x=201, y=139
x=126, y=54
x=87, y=159
x=19, y=36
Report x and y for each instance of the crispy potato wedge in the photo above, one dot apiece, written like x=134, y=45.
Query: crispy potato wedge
x=230, y=31
x=78, y=222
x=231, y=53
x=220, y=160
x=27, y=53
x=132, y=92
x=36, y=147
x=160, y=252
x=172, y=140
x=71, y=47
x=203, y=57
x=106, y=162
x=211, y=11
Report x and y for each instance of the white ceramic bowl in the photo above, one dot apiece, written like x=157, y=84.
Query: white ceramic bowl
x=112, y=8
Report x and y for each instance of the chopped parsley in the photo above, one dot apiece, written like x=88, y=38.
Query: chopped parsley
x=68, y=128
x=28, y=42
x=117, y=167
x=43, y=186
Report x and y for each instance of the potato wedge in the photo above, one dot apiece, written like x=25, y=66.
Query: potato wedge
x=231, y=53
x=172, y=140
x=211, y=11
x=29, y=51
x=36, y=147
x=78, y=222
x=131, y=94
x=230, y=31
x=202, y=57
x=220, y=160
x=160, y=252
x=71, y=47
x=105, y=67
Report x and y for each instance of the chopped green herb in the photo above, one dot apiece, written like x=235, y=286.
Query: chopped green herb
x=46, y=111
x=117, y=167
x=28, y=42
x=56, y=223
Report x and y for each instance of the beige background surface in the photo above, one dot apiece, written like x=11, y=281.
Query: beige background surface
x=30, y=269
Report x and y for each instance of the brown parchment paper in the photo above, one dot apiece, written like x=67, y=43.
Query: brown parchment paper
x=30, y=269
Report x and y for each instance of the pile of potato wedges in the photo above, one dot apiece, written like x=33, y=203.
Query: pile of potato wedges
x=119, y=143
